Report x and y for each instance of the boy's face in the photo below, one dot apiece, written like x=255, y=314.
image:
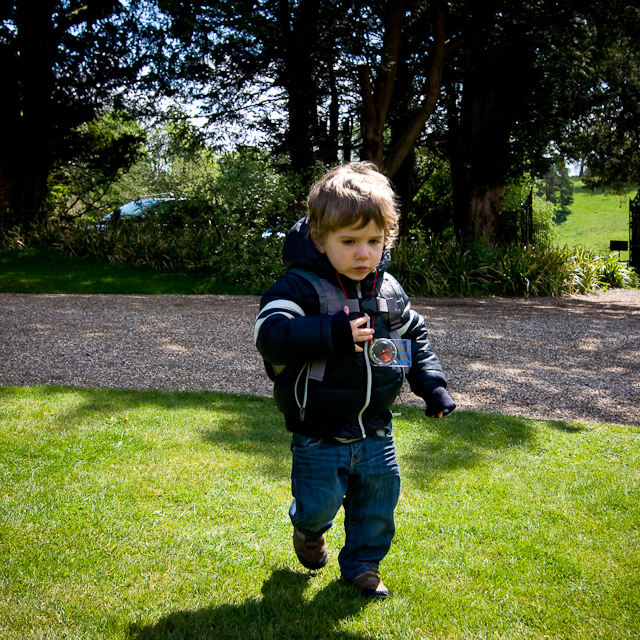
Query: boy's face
x=353, y=252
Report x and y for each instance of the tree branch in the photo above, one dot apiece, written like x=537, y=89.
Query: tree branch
x=405, y=143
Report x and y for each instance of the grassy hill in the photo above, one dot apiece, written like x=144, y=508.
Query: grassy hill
x=594, y=219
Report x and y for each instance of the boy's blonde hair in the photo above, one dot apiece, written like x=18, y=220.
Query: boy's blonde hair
x=352, y=194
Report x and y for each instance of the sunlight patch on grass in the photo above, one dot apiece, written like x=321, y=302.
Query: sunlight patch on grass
x=594, y=219
x=151, y=515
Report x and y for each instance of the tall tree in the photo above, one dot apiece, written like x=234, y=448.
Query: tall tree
x=267, y=65
x=63, y=62
x=524, y=73
x=606, y=138
x=416, y=93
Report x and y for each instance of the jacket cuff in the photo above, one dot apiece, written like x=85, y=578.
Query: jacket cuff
x=438, y=399
x=341, y=335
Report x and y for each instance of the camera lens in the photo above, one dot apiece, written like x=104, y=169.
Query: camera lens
x=383, y=351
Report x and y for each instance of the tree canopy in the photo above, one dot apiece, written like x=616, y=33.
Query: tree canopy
x=64, y=62
x=605, y=138
x=494, y=89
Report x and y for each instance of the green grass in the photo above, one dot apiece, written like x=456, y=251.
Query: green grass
x=164, y=515
x=594, y=219
x=57, y=272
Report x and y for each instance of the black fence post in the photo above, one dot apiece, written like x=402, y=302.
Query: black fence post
x=526, y=221
x=634, y=232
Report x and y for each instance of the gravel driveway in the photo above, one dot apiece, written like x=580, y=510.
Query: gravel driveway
x=574, y=358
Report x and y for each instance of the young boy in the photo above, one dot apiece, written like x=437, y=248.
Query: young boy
x=321, y=331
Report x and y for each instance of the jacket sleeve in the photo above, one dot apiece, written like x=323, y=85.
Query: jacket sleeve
x=426, y=377
x=290, y=330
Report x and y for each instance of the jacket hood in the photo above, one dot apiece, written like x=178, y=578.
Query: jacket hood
x=300, y=251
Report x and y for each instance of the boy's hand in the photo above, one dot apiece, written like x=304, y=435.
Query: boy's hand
x=360, y=333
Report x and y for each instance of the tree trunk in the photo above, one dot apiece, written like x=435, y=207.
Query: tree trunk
x=346, y=140
x=478, y=173
x=25, y=146
x=376, y=102
x=406, y=141
x=299, y=41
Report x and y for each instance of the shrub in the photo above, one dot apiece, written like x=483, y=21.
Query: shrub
x=447, y=269
x=237, y=255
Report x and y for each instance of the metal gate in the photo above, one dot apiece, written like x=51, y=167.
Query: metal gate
x=517, y=225
x=634, y=233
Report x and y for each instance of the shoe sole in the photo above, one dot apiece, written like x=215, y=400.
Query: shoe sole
x=314, y=565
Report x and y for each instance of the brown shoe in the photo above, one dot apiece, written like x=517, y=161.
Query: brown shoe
x=370, y=585
x=312, y=552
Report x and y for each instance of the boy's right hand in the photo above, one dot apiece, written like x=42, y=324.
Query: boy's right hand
x=360, y=333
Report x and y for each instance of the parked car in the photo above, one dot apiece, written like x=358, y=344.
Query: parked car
x=134, y=209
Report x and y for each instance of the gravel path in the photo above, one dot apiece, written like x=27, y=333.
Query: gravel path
x=574, y=358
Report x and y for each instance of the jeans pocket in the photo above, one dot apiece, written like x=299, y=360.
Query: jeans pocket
x=384, y=433
x=301, y=441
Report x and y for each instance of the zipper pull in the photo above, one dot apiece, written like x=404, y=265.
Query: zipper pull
x=359, y=292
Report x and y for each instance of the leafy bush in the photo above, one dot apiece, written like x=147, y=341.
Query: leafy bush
x=228, y=224
x=446, y=269
x=230, y=255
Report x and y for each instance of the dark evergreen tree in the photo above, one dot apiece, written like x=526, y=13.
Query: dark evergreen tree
x=63, y=62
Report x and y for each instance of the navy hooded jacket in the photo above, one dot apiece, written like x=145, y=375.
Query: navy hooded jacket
x=353, y=396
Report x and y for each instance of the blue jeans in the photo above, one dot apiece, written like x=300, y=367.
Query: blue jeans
x=363, y=477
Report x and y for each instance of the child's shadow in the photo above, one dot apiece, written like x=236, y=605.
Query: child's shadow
x=281, y=613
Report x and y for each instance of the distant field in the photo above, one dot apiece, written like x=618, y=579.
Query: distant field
x=594, y=219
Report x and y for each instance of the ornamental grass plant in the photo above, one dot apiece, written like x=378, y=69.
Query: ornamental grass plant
x=148, y=515
x=446, y=269
x=248, y=260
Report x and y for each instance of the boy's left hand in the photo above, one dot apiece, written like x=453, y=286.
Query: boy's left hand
x=439, y=403
x=360, y=333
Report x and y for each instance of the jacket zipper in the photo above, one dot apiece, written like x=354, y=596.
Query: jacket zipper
x=369, y=375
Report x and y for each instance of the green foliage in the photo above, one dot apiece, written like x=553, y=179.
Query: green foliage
x=516, y=195
x=447, y=269
x=544, y=228
x=556, y=186
x=228, y=225
x=65, y=64
x=439, y=268
x=99, y=153
x=249, y=263
x=252, y=189
x=431, y=210
x=221, y=254
x=606, y=138
x=592, y=272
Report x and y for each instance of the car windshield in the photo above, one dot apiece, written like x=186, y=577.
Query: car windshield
x=134, y=209
x=138, y=207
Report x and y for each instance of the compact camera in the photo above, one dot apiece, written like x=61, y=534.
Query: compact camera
x=385, y=352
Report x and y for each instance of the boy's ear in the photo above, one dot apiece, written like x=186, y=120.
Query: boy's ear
x=318, y=243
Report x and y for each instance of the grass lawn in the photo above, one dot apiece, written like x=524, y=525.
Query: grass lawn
x=148, y=515
x=594, y=219
x=57, y=272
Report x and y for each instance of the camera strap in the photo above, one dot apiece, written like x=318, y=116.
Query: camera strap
x=332, y=300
